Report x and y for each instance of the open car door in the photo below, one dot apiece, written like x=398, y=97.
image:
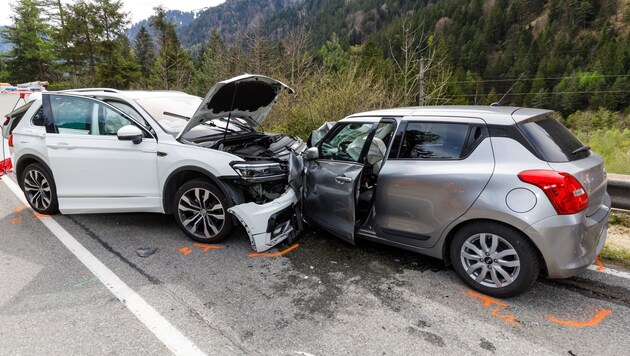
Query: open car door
x=332, y=179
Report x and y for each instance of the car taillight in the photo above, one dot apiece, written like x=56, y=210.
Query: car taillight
x=564, y=191
x=10, y=141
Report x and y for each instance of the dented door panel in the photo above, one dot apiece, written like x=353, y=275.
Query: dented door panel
x=330, y=196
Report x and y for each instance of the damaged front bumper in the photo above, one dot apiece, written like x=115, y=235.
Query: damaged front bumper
x=269, y=224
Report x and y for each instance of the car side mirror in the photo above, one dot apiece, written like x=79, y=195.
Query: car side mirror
x=130, y=133
x=311, y=154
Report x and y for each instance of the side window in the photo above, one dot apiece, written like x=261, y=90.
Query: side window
x=129, y=110
x=428, y=140
x=346, y=143
x=72, y=115
x=38, y=118
x=83, y=116
x=109, y=121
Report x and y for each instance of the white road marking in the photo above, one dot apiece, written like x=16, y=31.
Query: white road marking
x=610, y=271
x=172, y=338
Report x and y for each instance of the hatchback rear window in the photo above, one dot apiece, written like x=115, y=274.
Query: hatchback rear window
x=553, y=141
x=15, y=117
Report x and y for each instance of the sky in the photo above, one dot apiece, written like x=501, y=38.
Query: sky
x=137, y=9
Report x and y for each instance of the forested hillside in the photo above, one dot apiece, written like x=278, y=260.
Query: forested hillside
x=572, y=56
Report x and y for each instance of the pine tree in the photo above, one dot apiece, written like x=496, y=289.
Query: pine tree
x=173, y=65
x=32, y=55
x=145, y=53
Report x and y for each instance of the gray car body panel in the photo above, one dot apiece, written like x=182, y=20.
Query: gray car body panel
x=417, y=199
x=567, y=243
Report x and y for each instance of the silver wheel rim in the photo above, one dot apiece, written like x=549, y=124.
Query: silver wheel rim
x=490, y=260
x=37, y=190
x=201, y=213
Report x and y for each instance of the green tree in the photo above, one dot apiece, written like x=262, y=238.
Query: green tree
x=145, y=53
x=211, y=68
x=32, y=54
x=173, y=65
x=333, y=55
x=120, y=69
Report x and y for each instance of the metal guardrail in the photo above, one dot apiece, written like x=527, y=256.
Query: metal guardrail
x=619, y=190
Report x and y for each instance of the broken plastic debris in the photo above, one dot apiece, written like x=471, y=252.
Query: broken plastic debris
x=146, y=251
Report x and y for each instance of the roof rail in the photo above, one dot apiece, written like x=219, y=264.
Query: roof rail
x=82, y=90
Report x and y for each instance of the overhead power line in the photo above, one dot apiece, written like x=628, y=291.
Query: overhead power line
x=535, y=78
x=551, y=92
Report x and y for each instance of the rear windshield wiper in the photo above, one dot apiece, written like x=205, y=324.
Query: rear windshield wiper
x=582, y=149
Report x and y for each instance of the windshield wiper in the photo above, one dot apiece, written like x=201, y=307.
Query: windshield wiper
x=582, y=149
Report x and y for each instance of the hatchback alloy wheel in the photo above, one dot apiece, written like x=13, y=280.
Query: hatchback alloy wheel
x=490, y=260
x=494, y=258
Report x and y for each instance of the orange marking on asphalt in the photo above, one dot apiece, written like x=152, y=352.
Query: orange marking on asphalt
x=598, y=318
x=185, y=250
x=487, y=301
x=278, y=254
x=507, y=317
x=600, y=265
x=17, y=220
x=20, y=208
x=41, y=216
x=208, y=247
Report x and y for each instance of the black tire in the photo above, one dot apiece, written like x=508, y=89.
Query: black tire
x=39, y=189
x=503, y=260
x=200, y=221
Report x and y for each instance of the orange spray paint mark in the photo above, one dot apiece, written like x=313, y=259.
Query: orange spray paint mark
x=600, y=265
x=598, y=318
x=487, y=301
x=41, y=216
x=20, y=208
x=208, y=247
x=278, y=254
x=185, y=251
x=17, y=220
x=507, y=317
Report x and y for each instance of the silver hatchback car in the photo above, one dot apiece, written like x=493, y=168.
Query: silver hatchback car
x=501, y=193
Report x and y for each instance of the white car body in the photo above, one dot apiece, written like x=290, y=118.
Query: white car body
x=96, y=173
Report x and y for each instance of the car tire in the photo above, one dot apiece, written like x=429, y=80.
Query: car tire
x=200, y=209
x=39, y=189
x=494, y=259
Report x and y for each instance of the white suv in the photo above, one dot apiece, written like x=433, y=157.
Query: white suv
x=109, y=151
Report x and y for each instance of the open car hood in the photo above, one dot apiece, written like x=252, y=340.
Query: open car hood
x=246, y=96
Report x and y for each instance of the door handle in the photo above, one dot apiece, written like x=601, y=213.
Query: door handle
x=62, y=145
x=343, y=179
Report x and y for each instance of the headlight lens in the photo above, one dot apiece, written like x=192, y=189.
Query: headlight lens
x=260, y=172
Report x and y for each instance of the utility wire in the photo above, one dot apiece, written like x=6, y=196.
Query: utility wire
x=535, y=78
x=551, y=92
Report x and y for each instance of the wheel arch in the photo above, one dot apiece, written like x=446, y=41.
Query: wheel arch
x=27, y=160
x=453, y=231
x=187, y=173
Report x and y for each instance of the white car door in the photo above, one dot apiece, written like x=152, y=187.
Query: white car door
x=93, y=170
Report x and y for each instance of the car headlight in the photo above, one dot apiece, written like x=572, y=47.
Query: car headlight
x=257, y=172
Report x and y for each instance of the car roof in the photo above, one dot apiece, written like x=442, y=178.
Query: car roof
x=500, y=115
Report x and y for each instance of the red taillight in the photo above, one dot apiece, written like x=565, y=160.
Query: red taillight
x=564, y=191
x=10, y=141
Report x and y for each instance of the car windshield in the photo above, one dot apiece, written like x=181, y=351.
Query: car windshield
x=183, y=106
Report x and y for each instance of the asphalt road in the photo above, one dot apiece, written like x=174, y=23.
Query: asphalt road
x=324, y=297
